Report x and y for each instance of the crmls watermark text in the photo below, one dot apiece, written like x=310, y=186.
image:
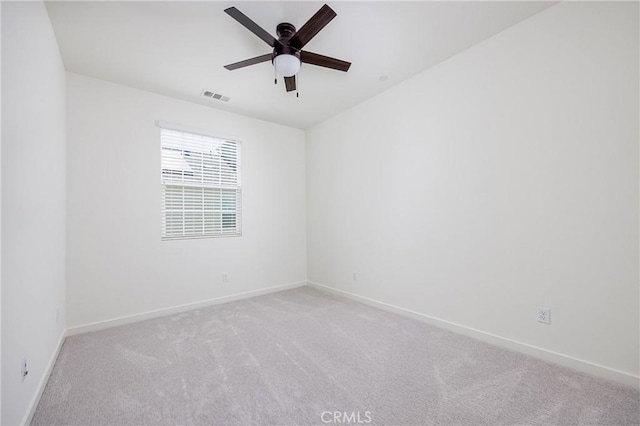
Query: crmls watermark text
x=346, y=417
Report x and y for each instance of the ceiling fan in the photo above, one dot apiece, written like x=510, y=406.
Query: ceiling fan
x=287, y=55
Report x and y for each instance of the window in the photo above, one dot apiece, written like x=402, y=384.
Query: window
x=201, y=190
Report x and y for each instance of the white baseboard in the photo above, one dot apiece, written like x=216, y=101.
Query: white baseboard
x=114, y=322
x=31, y=410
x=544, y=354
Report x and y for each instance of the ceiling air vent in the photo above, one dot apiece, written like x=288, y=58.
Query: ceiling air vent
x=212, y=95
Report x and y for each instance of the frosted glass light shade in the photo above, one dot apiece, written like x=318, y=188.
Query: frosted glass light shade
x=287, y=65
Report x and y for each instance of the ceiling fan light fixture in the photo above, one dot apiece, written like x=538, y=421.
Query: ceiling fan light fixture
x=287, y=65
x=287, y=55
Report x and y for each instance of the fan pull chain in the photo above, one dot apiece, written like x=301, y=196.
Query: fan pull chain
x=298, y=85
x=275, y=76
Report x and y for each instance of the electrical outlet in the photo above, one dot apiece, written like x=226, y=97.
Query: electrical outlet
x=354, y=276
x=24, y=369
x=225, y=278
x=544, y=315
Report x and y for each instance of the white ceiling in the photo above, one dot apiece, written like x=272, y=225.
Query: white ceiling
x=179, y=48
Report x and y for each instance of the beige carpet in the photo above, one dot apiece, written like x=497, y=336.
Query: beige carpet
x=304, y=357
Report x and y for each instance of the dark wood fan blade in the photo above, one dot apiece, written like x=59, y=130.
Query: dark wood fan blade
x=290, y=83
x=247, y=62
x=324, y=61
x=312, y=27
x=252, y=26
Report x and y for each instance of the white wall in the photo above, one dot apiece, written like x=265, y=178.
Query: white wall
x=0, y=217
x=117, y=264
x=33, y=202
x=501, y=180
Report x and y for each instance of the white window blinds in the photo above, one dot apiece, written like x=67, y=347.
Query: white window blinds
x=200, y=185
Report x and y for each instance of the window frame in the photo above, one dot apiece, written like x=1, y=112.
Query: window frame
x=184, y=185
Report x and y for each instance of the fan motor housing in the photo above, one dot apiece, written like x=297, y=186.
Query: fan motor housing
x=285, y=31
